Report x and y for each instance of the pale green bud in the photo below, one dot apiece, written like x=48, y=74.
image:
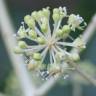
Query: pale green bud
x=21, y=32
x=56, y=11
x=40, y=14
x=66, y=29
x=27, y=18
x=34, y=15
x=32, y=34
x=29, y=21
x=56, y=17
x=44, y=27
x=46, y=12
x=17, y=50
x=37, y=56
x=62, y=15
x=74, y=56
x=22, y=44
x=59, y=33
x=41, y=40
x=45, y=21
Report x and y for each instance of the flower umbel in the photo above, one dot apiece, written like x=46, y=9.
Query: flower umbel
x=50, y=44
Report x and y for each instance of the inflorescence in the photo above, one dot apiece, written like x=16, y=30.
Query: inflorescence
x=49, y=42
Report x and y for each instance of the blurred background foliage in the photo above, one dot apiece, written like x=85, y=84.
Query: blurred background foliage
x=18, y=9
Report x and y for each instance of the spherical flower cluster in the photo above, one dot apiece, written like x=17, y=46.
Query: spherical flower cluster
x=48, y=53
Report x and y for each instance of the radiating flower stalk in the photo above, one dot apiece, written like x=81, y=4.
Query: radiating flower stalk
x=50, y=42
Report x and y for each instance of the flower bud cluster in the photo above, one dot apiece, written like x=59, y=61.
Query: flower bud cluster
x=49, y=43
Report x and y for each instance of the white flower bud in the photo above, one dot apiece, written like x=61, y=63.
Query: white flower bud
x=79, y=43
x=74, y=21
x=63, y=12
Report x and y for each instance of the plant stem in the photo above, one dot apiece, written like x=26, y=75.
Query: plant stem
x=83, y=74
